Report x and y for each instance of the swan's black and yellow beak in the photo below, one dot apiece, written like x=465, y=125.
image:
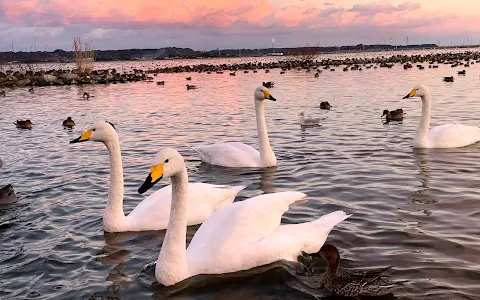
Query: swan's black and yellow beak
x=156, y=173
x=83, y=138
x=267, y=96
x=410, y=95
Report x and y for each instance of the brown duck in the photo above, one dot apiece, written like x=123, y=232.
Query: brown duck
x=27, y=124
x=68, y=122
x=393, y=115
x=7, y=194
x=353, y=283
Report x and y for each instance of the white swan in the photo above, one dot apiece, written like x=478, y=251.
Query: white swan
x=306, y=121
x=240, y=155
x=240, y=236
x=443, y=136
x=154, y=211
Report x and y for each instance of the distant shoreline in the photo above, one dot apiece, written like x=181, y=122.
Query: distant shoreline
x=171, y=53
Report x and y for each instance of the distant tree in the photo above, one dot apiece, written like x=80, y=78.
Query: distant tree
x=84, y=56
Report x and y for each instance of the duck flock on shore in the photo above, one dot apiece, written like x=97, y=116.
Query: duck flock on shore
x=236, y=236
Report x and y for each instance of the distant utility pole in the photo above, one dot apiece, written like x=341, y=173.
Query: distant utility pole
x=407, y=40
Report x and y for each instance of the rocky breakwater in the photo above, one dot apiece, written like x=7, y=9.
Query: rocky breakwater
x=12, y=79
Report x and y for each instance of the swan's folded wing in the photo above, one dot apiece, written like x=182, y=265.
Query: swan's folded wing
x=453, y=135
x=241, y=223
x=233, y=154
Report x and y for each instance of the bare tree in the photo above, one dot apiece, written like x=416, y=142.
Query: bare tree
x=84, y=56
x=305, y=53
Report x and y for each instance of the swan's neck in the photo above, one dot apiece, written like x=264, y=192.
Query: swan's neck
x=267, y=157
x=172, y=260
x=421, y=137
x=113, y=217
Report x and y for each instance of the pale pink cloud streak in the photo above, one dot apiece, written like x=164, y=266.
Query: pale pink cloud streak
x=112, y=14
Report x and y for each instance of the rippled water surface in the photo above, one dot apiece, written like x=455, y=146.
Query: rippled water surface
x=418, y=210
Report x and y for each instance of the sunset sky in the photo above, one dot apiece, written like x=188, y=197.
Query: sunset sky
x=210, y=24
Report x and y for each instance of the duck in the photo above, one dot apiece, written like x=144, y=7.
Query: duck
x=87, y=95
x=161, y=82
x=189, y=78
x=240, y=236
x=191, y=87
x=240, y=155
x=463, y=72
x=27, y=124
x=268, y=84
x=317, y=75
x=68, y=122
x=393, y=115
x=232, y=73
x=2, y=94
x=448, y=79
x=7, y=195
x=353, y=283
x=153, y=212
x=325, y=105
x=31, y=90
x=443, y=136
x=306, y=121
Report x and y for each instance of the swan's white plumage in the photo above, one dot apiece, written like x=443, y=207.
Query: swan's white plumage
x=154, y=211
x=443, y=136
x=240, y=236
x=240, y=155
x=203, y=200
x=231, y=154
x=453, y=136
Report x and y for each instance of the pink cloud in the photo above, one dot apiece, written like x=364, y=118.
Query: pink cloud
x=218, y=13
x=374, y=8
x=225, y=14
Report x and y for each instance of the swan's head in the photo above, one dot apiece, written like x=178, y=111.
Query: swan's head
x=262, y=93
x=167, y=163
x=330, y=254
x=101, y=132
x=418, y=91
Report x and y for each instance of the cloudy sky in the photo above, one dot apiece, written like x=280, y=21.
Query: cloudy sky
x=210, y=24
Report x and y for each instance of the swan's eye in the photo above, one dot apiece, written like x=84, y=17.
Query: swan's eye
x=93, y=129
x=166, y=161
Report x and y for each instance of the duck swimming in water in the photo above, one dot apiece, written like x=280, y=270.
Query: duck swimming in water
x=68, y=122
x=353, y=283
x=393, y=115
x=325, y=105
x=2, y=94
x=86, y=95
x=7, y=195
x=31, y=90
x=191, y=87
x=268, y=84
x=27, y=124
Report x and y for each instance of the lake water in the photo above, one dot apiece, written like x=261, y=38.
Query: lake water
x=418, y=210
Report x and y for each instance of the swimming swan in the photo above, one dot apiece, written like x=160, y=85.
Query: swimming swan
x=153, y=212
x=443, y=136
x=240, y=236
x=240, y=155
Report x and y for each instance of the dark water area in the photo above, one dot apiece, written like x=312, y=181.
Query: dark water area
x=418, y=210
